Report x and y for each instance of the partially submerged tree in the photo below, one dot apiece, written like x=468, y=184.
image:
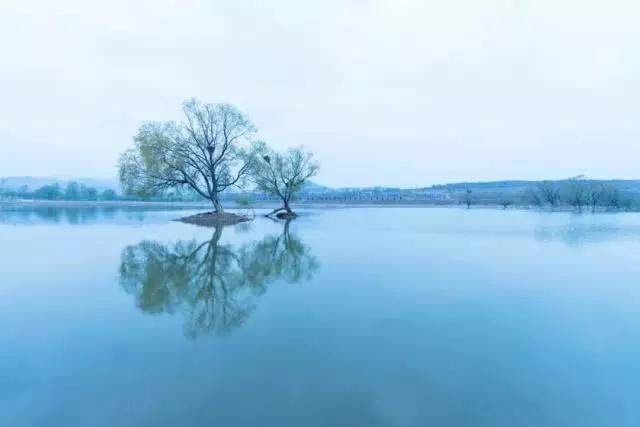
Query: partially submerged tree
x=209, y=152
x=549, y=192
x=612, y=196
x=531, y=197
x=467, y=198
x=577, y=193
x=283, y=174
x=595, y=194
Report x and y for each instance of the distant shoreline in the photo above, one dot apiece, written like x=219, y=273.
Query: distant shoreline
x=4, y=203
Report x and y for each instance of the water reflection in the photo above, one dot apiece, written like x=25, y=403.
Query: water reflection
x=214, y=285
x=17, y=214
x=579, y=234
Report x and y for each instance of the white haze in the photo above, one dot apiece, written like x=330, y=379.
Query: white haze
x=394, y=92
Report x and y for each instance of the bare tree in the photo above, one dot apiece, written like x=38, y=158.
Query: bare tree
x=467, y=198
x=209, y=152
x=505, y=203
x=612, y=197
x=531, y=197
x=577, y=193
x=549, y=192
x=595, y=194
x=283, y=174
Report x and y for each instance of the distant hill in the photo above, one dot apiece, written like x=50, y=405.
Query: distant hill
x=630, y=185
x=502, y=186
x=488, y=193
x=15, y=182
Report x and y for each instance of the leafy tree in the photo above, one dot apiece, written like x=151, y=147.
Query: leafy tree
x=209, y=152
x=48, y=192
x=283, y=174
x=89, y=193
x=76, y=191
x=23, y=191
x=109, y=194
x=72, y=192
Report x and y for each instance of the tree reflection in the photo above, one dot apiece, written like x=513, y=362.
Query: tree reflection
x=215, y=285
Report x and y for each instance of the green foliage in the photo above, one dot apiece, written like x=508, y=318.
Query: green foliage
x=76, y=191
x=209, y=152
x=215, y=285
x=144, y=170
x=283, y=174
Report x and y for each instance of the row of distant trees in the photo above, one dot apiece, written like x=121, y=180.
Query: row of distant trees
x=578, y=193
x=72, y=191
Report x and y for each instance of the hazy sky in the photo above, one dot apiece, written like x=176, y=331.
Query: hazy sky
x=396, y=92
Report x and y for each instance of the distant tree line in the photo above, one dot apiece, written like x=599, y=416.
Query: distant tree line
x=577, y=193
x=72, y=191
x=580, y=193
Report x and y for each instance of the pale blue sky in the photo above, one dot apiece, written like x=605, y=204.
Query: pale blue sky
x=395, y=92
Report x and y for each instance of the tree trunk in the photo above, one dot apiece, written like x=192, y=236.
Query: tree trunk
x=217, y=206
x=285, y=207
x=275, y=211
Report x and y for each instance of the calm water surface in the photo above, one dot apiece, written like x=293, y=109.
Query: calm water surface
x=344, y=317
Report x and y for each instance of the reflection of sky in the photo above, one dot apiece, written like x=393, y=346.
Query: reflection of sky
x=30, y=215
x=578, y=234
x=570, y=228
x=214, y=284
x=410, y=321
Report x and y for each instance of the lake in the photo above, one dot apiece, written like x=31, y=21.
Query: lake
x=343, y=317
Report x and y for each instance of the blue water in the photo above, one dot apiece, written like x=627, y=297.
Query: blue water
x=345, y=317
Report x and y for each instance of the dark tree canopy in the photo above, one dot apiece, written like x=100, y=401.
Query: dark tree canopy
x=209, y=152
x=49, y=192
x=283, y=174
